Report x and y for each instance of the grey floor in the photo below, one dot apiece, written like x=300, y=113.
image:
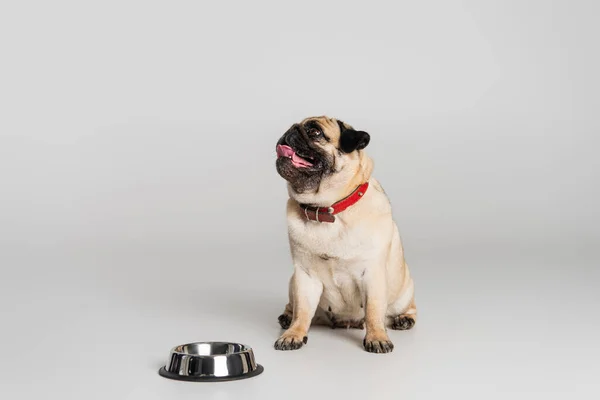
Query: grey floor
x=98, y=325
x=140, y=207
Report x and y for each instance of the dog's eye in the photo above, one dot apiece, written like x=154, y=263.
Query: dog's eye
x=315, y=133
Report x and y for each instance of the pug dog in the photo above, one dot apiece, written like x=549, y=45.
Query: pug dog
x=348, y=258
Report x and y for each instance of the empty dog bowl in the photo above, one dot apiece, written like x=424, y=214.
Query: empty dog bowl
x=211, y=362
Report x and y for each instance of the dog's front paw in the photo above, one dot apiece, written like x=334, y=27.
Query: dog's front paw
x=378, y=344
x=290, y=341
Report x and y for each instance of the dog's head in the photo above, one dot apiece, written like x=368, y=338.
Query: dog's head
x=318, y=150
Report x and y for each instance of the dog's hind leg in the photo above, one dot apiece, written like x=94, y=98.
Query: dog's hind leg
x=407, y=319
x=285, y=319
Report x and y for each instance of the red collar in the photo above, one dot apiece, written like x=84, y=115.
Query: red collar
x=326, y=214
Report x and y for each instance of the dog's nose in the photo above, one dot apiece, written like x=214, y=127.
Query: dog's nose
x=295, y=139
x=285, y=138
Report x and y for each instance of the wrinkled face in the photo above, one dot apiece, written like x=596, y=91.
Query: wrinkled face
x=315, y=148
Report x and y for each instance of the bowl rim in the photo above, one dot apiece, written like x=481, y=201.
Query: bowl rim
x=246, y=349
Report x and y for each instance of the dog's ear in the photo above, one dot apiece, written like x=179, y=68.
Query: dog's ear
x=351, y=140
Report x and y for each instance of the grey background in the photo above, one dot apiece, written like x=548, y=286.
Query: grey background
x=140, y=207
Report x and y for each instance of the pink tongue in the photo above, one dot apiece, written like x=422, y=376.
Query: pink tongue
x=287, y=151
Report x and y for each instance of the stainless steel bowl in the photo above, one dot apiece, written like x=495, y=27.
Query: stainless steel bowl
x=211, y=362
